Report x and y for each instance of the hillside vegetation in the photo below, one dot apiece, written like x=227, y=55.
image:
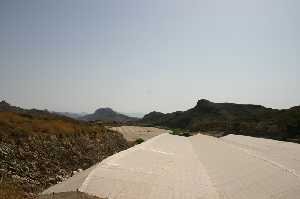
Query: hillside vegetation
x=39, y=149
x=225, y=118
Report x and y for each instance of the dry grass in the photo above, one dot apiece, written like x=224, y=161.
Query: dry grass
x=38, y=150
x=9, y=190
x=29, y=124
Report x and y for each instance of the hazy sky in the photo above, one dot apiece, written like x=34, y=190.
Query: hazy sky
x=144, y=55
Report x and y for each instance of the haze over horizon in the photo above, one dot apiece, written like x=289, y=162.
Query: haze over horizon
x=140, y=56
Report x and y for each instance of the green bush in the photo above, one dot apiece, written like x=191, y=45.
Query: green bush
x=139, y=140
x=180, y=132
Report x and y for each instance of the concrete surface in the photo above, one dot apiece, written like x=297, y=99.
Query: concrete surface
x=173, y=167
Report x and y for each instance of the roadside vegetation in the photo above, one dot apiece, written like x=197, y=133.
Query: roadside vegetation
x=39, y=149
x=139, y=141
x=12, y=189
x=180, y=132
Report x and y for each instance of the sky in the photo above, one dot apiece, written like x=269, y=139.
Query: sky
x=140, y=56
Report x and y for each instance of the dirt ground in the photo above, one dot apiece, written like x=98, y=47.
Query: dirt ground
x=132, y=133
x=68, y=195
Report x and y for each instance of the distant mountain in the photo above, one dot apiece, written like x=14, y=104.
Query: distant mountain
x=246, y=119
x=108, y=115
x=6, y=107
x=71, y=115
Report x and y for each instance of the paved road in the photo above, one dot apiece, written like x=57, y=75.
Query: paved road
x=173, y=167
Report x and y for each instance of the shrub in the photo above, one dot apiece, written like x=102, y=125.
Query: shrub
x=139, y=140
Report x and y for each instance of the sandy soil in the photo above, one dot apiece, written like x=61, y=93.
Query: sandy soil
x=132, y=133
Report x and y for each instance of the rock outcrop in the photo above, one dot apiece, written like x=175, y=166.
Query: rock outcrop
x=245, y=119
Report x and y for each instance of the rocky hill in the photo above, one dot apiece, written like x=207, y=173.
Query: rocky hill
x=225, y=118
x=39, y=149
x=4, y=106
x=71, y=115
x=107, y=115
